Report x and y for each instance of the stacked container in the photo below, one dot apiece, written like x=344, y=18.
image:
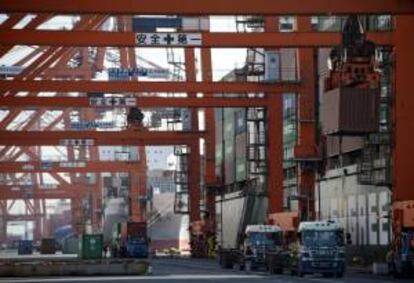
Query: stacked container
x=48, y=246
x=92, y=246
x=70, y=246
x=25, y=247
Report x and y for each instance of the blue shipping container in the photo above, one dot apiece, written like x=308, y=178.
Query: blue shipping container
x=151, y=24
x=25, y=247
x=137, y=248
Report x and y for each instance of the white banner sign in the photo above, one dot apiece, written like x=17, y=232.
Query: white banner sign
x=75, y=142
x=87, y=125
x=127, y=73
x=10, y=70
x=169, y=39
x=75, y=164
x=112, y=101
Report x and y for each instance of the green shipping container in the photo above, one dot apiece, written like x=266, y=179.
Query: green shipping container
x=70, y=246
x=92, y=246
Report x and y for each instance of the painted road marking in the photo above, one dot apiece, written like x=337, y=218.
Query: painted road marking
x=125, y=278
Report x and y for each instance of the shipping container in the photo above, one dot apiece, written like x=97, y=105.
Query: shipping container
x=350, y=111
x=140, y=24
x=136, y=230
x=348, y=144
x=289, y=64
x=48, y=246
x=219, y=147
x=70, y=245
x=25, y=247
x=229, y=147
x=195, y=24
x=92, y=246
x=241, y=165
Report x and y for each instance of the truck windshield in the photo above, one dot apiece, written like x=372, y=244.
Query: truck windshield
x=268, y=239
x=322, y=238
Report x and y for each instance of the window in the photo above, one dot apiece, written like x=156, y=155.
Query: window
x=386, y=226
x=287, y=24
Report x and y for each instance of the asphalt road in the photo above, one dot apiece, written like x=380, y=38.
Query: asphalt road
x=196, y=271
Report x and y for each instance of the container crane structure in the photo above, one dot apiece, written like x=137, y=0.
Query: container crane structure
x=46, y=70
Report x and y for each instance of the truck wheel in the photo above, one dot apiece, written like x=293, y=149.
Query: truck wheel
x=276, y=270
x=340, y=274
x=395, y=272
x=248, y=266
x=279, y=270
x=224, y=261
x=270, y=269
x=237, y=266
x=299, y=271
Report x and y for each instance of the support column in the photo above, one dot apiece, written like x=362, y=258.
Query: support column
x=194, y=159
x=275, y=154
x=275, y=140
x=77, y=215
x=210, y=143
x=3, y=221
x=38, y=217
x=134, y=197
x=403, y=151
x=306, y=149
x=194, y=181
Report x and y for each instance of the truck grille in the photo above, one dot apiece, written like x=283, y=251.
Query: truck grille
x=323, y=254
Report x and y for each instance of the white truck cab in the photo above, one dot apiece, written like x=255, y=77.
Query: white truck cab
x=321, y=248
x=258, y=242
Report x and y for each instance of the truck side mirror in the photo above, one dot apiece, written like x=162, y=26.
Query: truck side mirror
x=348, y=239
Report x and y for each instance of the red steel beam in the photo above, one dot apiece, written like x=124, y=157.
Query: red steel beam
x=142, y=102
x=151, y=87
x=21, y=192
x=9, y=118
x=33, y=24
x=12, y=21
x=21, y=217
x=128, y=137
x=216, y=39
x=211, y=7
x=82, y=166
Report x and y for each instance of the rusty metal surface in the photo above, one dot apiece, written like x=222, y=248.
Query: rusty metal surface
x=347, y=111
x=348, y=144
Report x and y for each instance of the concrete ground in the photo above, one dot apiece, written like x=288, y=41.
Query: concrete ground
x=11, y=255
x=196, y=270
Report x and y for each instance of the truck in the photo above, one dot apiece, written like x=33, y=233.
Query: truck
x=130, y=240
x=320, y=248
x=261, y=248
x=236, y=211
x=400, y=258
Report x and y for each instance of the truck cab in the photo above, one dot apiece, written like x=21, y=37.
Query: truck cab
x=259, y=242
x=320, y=249
x=401, y=257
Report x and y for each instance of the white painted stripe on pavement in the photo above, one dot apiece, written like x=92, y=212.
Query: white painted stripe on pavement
x=125, y=278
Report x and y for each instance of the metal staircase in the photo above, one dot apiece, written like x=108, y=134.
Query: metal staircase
x=374, y=167
x=256, y=141
x=181, y=199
